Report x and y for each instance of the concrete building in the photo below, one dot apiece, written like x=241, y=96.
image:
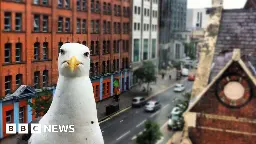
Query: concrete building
x=144, y=32
x=197, y=19
x=30, y=38
x=172, y=20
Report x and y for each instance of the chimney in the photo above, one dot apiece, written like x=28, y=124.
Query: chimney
x=217, y=3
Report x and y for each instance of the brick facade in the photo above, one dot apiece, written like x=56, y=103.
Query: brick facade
x=28, y=36
x=217, y=123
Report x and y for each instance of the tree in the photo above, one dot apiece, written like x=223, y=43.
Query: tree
x=42, y=103
x=151, y=134
x=146, y=73
x=190, y=50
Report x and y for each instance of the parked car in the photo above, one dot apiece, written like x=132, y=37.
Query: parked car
x=182, y=106
x=152, y=106
x=179, y=88
x=138, y=101
x=191, y=77
x=184, y=72
x=175, y=119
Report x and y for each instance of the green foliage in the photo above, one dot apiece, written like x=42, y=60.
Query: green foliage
x=146, y=73
x=116, y=83
x=151, y=134
x=190, y=50
x=42, y=103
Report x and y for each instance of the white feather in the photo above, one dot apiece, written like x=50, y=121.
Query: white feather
x=73, y=104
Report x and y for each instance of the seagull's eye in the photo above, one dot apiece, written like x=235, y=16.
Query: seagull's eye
x=86, y=54
x=62, y=51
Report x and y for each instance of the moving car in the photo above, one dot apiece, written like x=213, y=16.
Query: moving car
x=179, y=88
x=191, y=77
x=138, y=101
x=152, y=106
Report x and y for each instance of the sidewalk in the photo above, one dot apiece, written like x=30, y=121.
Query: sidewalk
x=126, y=97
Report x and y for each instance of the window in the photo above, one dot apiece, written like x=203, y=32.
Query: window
x=7, y=52
x=21, y=114
x=97, y=6
x=60, y=24
x=119, y=27
x=59, y=46
x=8, y=84
x=115, y=31
x=18, y=52
x=135, y=9
x=108, y=46
x=109, y=28
x=84, y=5
x=145, y=50
x=92, y=48
x=18, y=80
x=138, y=10
x=92, y=5
x=136, y=50
x=115, y=10
x=177, y=51
x=67, y=25
x=109, y=8
x=114, y=43
x=84, y=26
x=78, y=5
x=153, y=48
x=7, y=21
x=18, y=22
x=92, y=69
x=92, y=26
x=45, y=78
x=36, y=2
x=135, y=26
x=78, y=26
x=36, y=23
x=97, y=25
x=97, y=47
x=97, y=91
x=105, y=27
x=103, y=67
x=104, y=48
x=67, y=4
x=138, y=26
x=96, y=68
x=119, y=10
x=108, y=66
x=45, y=50
x=60, y=3
x=127, y=46
x=45, y=23
x=36, y=50
x=45, y=2
x=36, y=79
x=9, y=116
x=145, y=12
x=114, y=65
x=105, y=7
x=103, y=89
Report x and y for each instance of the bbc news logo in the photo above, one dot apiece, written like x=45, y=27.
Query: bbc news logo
x=38, y=128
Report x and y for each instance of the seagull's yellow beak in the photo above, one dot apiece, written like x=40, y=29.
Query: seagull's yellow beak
x=73, y=63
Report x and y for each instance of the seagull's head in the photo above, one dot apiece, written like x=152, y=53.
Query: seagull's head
x=74, y=60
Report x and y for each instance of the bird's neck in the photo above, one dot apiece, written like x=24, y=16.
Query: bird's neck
x=74, y=98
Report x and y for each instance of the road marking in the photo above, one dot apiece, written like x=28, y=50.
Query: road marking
x=166, y=106
x=121, y=121
x=154, y=114
x=123, y=135
x=140, y=133
x=141, y=123
x=163, y=125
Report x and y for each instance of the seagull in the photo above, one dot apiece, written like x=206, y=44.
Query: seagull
x=73, y=102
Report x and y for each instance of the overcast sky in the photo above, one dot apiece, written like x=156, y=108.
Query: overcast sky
x=228, y=4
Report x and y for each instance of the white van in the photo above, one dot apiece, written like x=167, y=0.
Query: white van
x=184, y=72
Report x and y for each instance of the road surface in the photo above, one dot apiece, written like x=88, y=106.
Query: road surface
x=124, y=128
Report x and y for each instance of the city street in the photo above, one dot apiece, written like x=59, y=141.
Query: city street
x=123, y=128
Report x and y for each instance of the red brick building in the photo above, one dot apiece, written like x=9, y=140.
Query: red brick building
x=32, y=31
